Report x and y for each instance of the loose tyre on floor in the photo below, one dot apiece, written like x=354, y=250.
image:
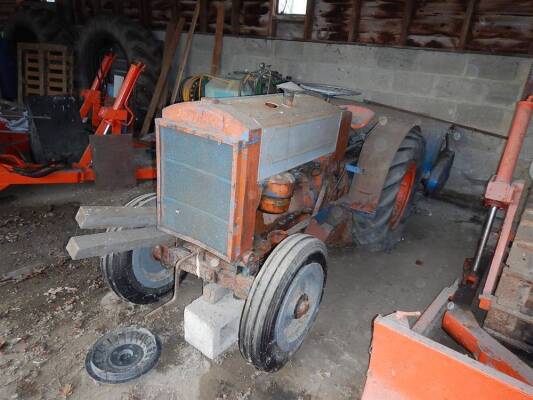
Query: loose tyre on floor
x=382, y=230
x=135, y=275
x=283, y=302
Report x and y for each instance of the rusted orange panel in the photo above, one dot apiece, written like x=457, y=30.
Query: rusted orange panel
x=247, y=196
x=407, y=366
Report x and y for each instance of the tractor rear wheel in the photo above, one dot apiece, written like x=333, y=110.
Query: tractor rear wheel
x=383, y=229
x=136, y=276
x=283, y=302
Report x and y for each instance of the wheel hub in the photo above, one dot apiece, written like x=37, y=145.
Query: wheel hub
x=302, y=306
x=299, y=307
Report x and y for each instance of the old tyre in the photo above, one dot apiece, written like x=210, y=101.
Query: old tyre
x=131, y=42
x=382, y=230
x=283, y=302
x=36, y=24
x=135, y=275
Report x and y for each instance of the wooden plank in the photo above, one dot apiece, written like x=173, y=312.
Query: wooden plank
x=171, y=45
x=219, y=35
x=355, y=19
x=272, y=24
x=236, y=16
x=309, y=19
x=467, y=24
x=406, y=21
x=185, y=54
x=103, y=217
x=100, y=244
x=203, y=15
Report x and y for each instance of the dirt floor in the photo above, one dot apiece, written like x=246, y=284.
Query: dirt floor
x=53, y=309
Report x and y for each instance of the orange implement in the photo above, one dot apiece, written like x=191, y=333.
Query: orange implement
x=405, y=365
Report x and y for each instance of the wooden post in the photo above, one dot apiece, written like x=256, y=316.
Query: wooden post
x=406, y=21
x=172, y=39
x=355, y=19
x=203, y=15
x=309, y=19
x=185, y=54
x=235, y=16
x=467, y=23
x=272, y=23
x=219, y=34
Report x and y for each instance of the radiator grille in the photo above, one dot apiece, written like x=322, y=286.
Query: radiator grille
x=195, y=192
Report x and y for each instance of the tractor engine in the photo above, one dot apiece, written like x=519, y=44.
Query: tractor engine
x=235, y=174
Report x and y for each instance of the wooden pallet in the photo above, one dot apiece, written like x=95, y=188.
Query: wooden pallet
x=510, y=318
x=44, y=69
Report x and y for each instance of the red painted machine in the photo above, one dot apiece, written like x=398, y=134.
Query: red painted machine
x=19, y=167
x=409, y=363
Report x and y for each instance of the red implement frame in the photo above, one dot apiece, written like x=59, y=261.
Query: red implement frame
x=503, y=193
x=93, y=97
x=113, y=118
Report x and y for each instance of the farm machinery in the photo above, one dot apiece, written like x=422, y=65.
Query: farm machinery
x=250, y=191
x=58, y=146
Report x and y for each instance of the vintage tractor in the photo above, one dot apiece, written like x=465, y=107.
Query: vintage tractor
x=250, y=192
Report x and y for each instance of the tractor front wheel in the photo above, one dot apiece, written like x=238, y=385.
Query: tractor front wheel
x=136, y=276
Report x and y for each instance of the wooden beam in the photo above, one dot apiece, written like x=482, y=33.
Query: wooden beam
x=203, y=15
x=309, y=19
x=103, y=217
x=100, y=244
x=408, y=13
x=219, y=35
x=272, y=23
x=355, y=19
x=185, y=54
x=172, y=40
x=145, y=11
x=236, y=16
x=467, y=24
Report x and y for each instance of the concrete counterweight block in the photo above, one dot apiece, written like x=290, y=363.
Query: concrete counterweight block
x=213, y=328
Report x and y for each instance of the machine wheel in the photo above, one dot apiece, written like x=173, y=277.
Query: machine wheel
x=382, y=230
x=283, y=302
x=130, y=42
x=135, y=275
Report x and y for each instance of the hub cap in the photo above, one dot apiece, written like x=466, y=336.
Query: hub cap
x=122, y=355
x=299, y=307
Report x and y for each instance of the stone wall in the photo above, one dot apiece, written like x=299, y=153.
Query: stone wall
x=475, y=90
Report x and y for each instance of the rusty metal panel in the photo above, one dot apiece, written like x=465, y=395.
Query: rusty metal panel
x=376, y=157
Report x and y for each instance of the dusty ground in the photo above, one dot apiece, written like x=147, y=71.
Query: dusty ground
x=49, y=320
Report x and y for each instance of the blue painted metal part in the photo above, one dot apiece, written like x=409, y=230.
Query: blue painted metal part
x=196, y=190
x=354, y=169
x=440, y=173
x=434, y=144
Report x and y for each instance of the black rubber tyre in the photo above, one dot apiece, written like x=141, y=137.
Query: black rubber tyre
x=377, y=232
x=265, y=310
x=36, y=24
x=128, y=277
x=131, y=42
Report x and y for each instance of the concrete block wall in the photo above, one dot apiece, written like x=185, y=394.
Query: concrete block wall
x=475, y=90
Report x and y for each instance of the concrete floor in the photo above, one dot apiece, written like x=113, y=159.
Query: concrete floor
x=331, y=364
